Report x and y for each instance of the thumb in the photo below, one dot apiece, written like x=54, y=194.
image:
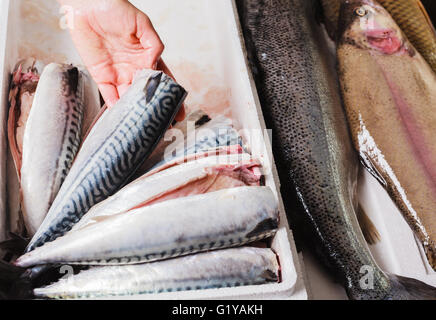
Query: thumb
x=150, y=41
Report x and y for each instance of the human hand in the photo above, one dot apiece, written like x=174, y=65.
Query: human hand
x=115, y=39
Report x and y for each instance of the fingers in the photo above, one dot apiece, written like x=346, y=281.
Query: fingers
x=122, y=89
x=161, y=65
x=154, y=47
x=109, y=93
x=150, y=40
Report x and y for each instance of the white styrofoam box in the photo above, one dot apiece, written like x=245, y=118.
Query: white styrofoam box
x=399, y=251
x=204, y=49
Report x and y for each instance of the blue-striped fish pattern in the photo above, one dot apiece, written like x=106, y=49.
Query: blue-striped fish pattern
x=115, y=159
x=224, y=242
x=220, y=137
x=73, y=92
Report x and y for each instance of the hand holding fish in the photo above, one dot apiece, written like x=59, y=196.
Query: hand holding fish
x=115, y=39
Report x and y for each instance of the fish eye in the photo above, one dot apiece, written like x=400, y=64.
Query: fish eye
x=361, y=11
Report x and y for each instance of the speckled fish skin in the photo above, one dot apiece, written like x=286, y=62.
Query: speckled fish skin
x=51, y=139
x=217, y=220
x=410, y=15
x=116, y=146
x=218, y=269
x=300, y=96
x=390, y=110
x=194, y=177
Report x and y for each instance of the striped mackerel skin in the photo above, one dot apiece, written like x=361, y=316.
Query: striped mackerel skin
x=217, y=220
x=218, y=132
x=116, y=146
x=51, y=140
x=219, y=269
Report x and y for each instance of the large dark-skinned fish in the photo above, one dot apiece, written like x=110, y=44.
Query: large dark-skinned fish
x=300, y=93
x=118, y=143
x=390, y=110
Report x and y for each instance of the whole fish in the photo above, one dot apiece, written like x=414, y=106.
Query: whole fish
x=38, y=156
x=211, y=270
x=410, y=15
x=51, y=139
x=217, y=220
x=195, y=177
x=300, y=96
x=390, y=111
x=118, y=143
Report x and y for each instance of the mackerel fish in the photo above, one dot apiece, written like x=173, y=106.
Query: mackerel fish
x=118, y=143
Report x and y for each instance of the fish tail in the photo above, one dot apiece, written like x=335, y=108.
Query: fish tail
x=403, y=288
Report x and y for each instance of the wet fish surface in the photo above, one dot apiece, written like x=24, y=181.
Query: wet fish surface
x=390, y=112
x=216, y=133
x=51, y=139
x=300, y=96
x=217, y=269
x=216, y=220
x=195, y=177
x=193, y=121
x=118, y=143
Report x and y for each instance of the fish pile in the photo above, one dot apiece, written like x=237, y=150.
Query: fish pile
x=183, y=220
x=300, y=91
x=42, y=159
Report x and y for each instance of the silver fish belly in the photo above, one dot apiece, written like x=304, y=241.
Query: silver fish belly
x=226, y=218
x=116, y=146
x=51, y=139
x=149, y=189
x=217, y=269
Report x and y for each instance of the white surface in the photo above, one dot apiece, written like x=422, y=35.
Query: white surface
x=197, y=50
x=204, y=51
x=398, y=252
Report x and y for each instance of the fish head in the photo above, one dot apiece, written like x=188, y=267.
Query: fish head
x=367, y=25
